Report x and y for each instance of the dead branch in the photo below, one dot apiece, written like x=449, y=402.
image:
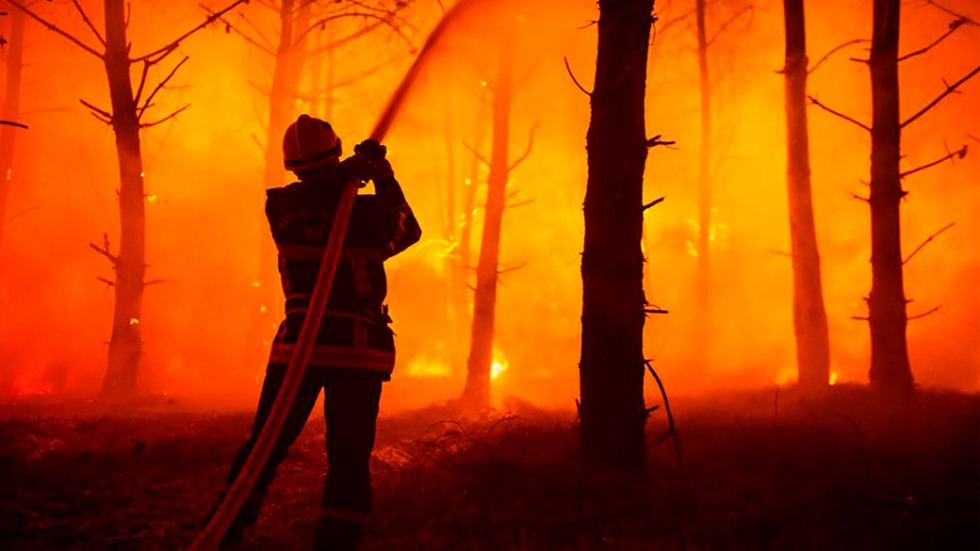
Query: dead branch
x=88, y=22
x=156, y=282
x=367, y=29
x=927, y=241
x=948, y=11
x=12, y=123
x=380, y=19
x=232, y=28
x=95, y=110
x=860, y=197
x=653, y=203
x=949, y=90
x=952, y=29
x=108, y=282
x=519, y=204
x=159, y=54
x=834, y=50
x=671, y=427
x=159, y=86
x=575, y=80
x=20, y=214
x=104, y=249
x=52, y=27
x=924, y=314
x=724, y=26
x=814, y=101
x=782, y=253
x=476, y=153
x=142, y=84
x=959, y=154
x=656, y=140
x=527, y=151
x=165, y=119
x=860, y=318
x=655, y=310
x=511, y=269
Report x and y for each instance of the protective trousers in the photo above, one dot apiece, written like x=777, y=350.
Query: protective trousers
x=350, y=407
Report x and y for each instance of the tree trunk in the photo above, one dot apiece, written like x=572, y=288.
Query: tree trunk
x=290, y=55
x=476, y=393
x=890, y=370
x=125, y=345
x=703, y=322
x=809, y=316
x=612, y=410
x=11, y=109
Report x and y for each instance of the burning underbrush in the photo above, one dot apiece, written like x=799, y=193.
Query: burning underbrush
x=760, y=469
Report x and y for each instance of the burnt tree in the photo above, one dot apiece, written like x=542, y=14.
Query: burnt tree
x=476, y=393
x=890, y=372
x=809, y=315
x=126, y=117
x=11, y=109
x=611, y=369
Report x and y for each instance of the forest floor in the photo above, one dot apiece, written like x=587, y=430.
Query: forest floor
x=761, y=469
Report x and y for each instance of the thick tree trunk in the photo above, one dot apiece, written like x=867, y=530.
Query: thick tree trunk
x=890, y=370
x=612, y=410
x=290, y=56
x=476, y=393
x=703, y=323
x=809, y=316
x=125, y=345
x=11, y=109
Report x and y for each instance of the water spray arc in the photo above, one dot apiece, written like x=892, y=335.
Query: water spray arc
x=238, y=493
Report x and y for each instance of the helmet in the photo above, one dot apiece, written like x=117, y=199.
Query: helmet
x=310, y=142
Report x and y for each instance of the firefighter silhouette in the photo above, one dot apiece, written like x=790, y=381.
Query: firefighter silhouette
x=354, y=351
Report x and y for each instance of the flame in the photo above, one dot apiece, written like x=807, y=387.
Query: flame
x=833, y=377
x=500, y=364
x=423, y=366
x=786, y=376
x=134, y=321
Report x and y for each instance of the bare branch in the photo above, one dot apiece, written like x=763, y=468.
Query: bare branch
x=52, y=27
x=861, y=318
x=656, y=140
x=157, y=55
x=575, y=80
x=511, y=269
x=156, y=282
x=653, y=203
x=229, y=27
x=381, y=20
x=479, y=157
x=344, y=40
x=860, y=198
x=107, y=115
x=814, y=101
x=104, y=250
x=656, y=310
x=12, y=123
x=924, y=314
x=19, y=214
x=88, y=22
x=949, y=90
x=927, y=241
x=165, y=119
x=519, y=204
x=160, y=85
x=108, y=282
x=948, y=11
x=724, y=26
x=139, y=89
x=959, y=154
x=527, y=151
x=827, y=55
x=952, y=29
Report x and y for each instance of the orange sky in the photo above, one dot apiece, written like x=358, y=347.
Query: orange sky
x=203, y=177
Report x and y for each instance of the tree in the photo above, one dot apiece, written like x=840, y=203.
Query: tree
x=891, y=372
x=126, y=117
x=476, y=393
x=809, y=315
x=11, y=109
x=611, y=409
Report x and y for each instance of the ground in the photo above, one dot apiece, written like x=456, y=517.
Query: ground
x=760, y=469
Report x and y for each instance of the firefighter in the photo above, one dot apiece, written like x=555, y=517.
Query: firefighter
x=354, y=351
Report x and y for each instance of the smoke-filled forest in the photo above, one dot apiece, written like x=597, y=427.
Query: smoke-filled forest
x=692, y=274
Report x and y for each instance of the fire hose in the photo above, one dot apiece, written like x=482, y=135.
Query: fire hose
x=219, y=523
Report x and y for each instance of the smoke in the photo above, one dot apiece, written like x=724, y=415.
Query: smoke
x=205, y=201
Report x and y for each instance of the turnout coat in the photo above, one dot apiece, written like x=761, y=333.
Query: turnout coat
x=354, y=332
